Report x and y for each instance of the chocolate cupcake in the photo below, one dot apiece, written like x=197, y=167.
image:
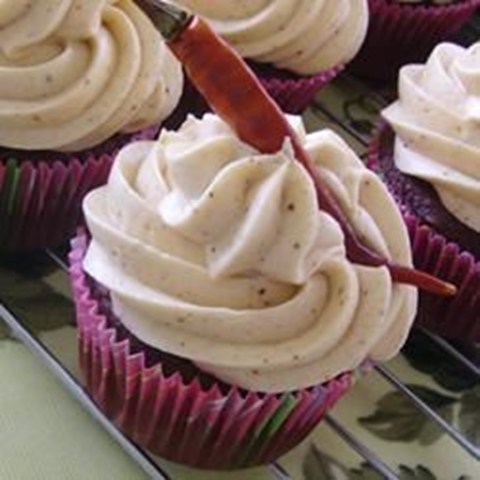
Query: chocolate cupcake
x=219, y=316
x=429, y=154
x=75, y=86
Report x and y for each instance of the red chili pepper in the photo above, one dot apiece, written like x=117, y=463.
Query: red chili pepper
x=236, y=95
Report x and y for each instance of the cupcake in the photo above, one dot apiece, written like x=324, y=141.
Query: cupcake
x=218, y=315
x=75, y=86
x=296, y=47
x=406, y=31
x=429, y=155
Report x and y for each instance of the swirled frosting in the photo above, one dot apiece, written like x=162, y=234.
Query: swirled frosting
x=75, y=72
x=217, y=253
x=437, y=126
x=304, y=36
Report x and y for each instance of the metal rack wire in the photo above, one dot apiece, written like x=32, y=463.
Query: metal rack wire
x=151, y=467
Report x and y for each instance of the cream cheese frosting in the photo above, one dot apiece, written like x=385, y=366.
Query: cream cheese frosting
x=75, y=72
x=219, y=254
x=304, y=36
x=437, y=124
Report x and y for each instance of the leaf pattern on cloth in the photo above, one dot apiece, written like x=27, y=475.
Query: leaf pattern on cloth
x=318, y=465
x=469, y=415
x=429, y=358
x=25, y=292
x=421, y=472
x=397, y=419
x=418, y=473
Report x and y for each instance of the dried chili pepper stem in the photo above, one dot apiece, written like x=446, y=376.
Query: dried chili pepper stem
x=236, y=95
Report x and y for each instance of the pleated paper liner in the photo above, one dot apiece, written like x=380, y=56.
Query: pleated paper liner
x=292, y=92
x=399, y=34
x=41, y=193
x=455, y=317
x=173, y=409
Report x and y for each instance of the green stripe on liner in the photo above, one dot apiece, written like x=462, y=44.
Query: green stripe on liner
x=10, y=186
x=267, y=429
x=8, y=194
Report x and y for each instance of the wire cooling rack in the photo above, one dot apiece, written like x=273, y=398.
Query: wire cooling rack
x=354, y=119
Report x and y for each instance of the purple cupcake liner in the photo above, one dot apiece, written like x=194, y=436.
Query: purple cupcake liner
x=294, y=93
x=178, y=415
x=399, y=34
x=455, y=317
x=41, y=196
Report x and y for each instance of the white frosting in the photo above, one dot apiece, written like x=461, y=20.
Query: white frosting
x=75, y=72
x=219, y=254
x=304, y=36
x=437, y=126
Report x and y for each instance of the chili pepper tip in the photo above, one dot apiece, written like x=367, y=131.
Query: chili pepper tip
x=422, y=280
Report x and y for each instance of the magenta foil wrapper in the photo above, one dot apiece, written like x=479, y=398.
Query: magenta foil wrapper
x=399, y=34
x=215, y=426
x=40, y=200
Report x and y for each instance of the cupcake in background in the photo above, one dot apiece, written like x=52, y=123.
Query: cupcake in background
x=295, y=46
x=406, y=31
x=429, y=154
x=78, y=80
x=219, y=317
